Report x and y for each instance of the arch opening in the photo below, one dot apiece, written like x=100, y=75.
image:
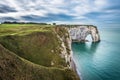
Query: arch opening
x=89, y=38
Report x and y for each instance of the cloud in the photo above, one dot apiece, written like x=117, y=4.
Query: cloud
x=72, y=7
x=6, y=9
x=47, y=18
x=83, y=11
x=8, y=19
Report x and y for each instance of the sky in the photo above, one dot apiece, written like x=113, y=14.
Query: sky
x=103, y=13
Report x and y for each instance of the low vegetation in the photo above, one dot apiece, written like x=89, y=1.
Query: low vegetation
x=32, y=52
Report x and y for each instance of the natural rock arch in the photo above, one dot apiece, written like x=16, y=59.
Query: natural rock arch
x=79, y=33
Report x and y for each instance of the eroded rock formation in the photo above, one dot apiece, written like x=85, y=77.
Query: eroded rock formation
x=79, y=33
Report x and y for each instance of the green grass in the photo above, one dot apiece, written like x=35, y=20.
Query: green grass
x=22, y=25
x=33, y=48
x=36, y=43
x=13, y=67
x=21, y=29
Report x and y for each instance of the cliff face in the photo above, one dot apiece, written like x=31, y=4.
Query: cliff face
x=35, y=52
x=66, y=51
x=79, y=33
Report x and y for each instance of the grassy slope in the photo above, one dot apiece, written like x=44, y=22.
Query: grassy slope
x=13, y=67
x=35, y=43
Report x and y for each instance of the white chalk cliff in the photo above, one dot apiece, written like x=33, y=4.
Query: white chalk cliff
x=79, y=33
x=68, y=34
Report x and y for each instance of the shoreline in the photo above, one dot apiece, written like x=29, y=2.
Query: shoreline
x=74, y=68
x=72, y=62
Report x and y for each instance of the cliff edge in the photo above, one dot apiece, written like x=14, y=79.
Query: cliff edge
x=35, y=52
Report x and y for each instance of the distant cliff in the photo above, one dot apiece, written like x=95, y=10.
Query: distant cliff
x=79, y=33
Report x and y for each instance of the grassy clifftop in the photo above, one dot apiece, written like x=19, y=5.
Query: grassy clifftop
x=32, y=52
x=13, y=67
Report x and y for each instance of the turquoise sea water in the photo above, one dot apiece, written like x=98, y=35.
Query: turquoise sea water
x=99, y=61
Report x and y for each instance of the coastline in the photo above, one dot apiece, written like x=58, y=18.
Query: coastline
x=73, y=66
x=66, y=44
x=72, y=62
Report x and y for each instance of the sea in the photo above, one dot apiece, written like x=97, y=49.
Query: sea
x=101, y=60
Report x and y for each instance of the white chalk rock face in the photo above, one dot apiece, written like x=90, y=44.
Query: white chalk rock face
x=79, y=33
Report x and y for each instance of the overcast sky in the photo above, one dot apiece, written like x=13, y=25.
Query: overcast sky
x=103, y=13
